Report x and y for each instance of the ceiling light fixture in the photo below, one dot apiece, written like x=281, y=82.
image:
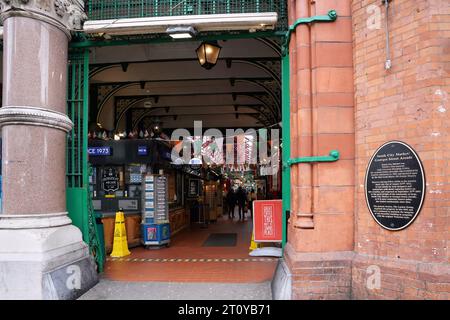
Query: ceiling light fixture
x=181, y=32
x=208, y=54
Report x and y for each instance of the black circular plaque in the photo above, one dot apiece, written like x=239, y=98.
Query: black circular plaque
x=395, y=185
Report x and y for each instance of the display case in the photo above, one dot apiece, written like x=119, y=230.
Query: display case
x=155, y=215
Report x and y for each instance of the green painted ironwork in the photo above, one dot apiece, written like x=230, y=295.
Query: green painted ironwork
x=79, y=202
x=332, y=157
x=120, y=9
x=286, y=146
x=84, y=42
x=330, y=17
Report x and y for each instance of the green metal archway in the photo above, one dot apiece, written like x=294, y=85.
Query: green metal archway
x=79, y=202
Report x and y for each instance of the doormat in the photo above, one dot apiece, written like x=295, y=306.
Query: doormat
x=221, y=240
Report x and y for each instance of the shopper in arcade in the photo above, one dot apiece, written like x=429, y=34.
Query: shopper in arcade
x=241, y=200
x=231, y=202
x=250, y=198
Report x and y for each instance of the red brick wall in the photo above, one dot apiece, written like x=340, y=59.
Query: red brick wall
x=322, y=119
x=335, y=247
x=407, y=103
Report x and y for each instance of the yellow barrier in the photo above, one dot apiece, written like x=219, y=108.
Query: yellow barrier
x=120, y=245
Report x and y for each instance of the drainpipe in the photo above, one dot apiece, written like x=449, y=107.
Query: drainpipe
x=305, y=206
x=388, y=63
x=302, y=96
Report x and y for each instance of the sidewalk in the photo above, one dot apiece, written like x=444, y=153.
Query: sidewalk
x=120, y=290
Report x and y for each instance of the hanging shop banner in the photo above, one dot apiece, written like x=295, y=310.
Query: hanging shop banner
x=267, y=220
x=395, y=185
x=110, y=180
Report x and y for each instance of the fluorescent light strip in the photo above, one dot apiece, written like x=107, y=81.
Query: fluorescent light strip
x=180, y=35
x=202, y=23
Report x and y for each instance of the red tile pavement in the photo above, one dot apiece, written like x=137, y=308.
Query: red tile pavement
x=188, y=245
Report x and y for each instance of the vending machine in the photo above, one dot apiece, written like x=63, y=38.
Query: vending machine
x=155, y=215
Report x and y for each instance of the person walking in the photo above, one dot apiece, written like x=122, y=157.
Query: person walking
x=231, y=203
x=250, y=198
x=241, y=200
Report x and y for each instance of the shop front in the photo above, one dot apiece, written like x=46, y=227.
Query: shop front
x=120, y=170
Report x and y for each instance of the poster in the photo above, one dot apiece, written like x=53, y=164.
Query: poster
x=267, y=220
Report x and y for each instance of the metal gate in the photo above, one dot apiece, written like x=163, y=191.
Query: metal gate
x=79, y=201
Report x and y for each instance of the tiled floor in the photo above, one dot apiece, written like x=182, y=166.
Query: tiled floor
x=187, y=261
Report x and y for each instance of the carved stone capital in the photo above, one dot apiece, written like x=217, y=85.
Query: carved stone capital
x=67, y=15
x=33, y=116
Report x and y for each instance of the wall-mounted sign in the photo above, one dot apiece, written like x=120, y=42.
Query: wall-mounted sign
x=142, y=150
x=110, y=180
x=194, y=188
x=129, y=204
x=99, y=151
x=395, y=185
x=267, y=220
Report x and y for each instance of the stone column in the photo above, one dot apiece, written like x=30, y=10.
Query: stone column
x=42, y=255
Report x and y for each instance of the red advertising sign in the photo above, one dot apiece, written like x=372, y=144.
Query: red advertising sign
x=267, y=220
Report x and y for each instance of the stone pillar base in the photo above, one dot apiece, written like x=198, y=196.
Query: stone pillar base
x=282, y=282
x=44, y=263
x=320, y=276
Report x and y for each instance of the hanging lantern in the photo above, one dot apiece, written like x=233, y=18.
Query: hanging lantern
x=208, y=54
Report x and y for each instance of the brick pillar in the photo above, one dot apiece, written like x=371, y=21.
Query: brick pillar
x=320, y=246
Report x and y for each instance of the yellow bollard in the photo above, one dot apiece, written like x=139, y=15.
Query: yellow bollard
x=120, y=245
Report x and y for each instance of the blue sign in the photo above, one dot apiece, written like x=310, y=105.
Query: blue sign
x=99, y=151
x=142, y=150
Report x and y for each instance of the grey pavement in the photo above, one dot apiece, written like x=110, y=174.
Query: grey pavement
x=122, y=290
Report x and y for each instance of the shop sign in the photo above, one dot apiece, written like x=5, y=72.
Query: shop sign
x=267, y=220
x=110, y=180
x=395, y=185
x=99, y=151
x=194, y=186
x=142, y=150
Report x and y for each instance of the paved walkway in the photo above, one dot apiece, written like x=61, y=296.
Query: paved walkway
x=120, y=290
x=187, y=270
x=186, y=260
